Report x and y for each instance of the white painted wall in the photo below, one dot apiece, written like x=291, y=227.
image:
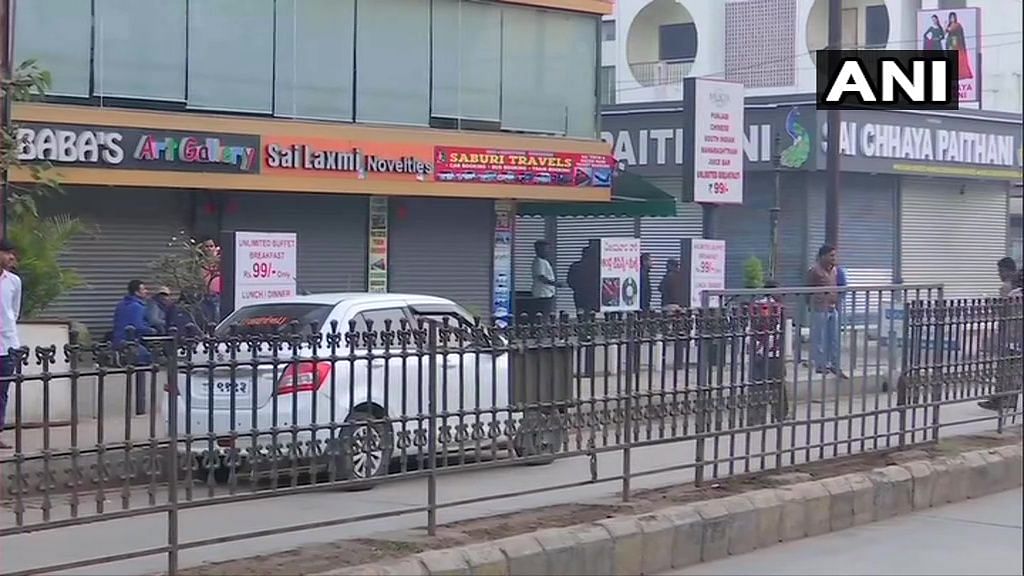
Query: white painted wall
x=1002, y=50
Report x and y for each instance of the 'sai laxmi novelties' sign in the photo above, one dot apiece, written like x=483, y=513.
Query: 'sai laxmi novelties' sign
x=620, y=274
x=265, y=266
x=715, y=120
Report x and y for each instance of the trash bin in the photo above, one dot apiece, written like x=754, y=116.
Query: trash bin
x=541, y=379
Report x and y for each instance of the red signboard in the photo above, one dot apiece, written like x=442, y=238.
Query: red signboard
x=527, y=167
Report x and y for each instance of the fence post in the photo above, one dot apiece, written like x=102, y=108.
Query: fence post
x=171, y=347
x=938, y=373
x=628, y=415
x=432, y=452
x=702, y=383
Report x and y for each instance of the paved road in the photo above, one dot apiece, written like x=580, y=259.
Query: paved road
x=117, y=536
x=983, y=536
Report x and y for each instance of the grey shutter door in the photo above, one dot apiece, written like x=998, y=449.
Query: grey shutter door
x=953, y=233
x=332, y=234
x=867, y=226
x=529, y=229
x=573, y=235
x=132, y=228
x=660, y=237
x=443, y=247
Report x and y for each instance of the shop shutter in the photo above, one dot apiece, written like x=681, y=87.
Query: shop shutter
x=953, y=233
x=661, y=238
x=867, y=226
x=443, y=247
x=332, y=234
x=132, y=228
x=529, y=229
x=573, y=234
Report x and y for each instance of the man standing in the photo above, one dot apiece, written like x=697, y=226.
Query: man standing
x=1006, y=340
x=583, y=278
x=671, y=287
x=824, y=313
x=544, y=283
x=1007, y=275
x=645, y=281
x=10, y=310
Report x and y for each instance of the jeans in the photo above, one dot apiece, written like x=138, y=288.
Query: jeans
x=825, y=339
x=6, y=371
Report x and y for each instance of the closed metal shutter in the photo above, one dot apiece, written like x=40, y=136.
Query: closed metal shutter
x=132, y=229
x=573, y=235
x=529, y=229
x=443, y=247
x=953, y=232
x=867, y=226
x=331, y=228
x=660, y=237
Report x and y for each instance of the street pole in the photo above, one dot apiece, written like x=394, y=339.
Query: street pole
x=835, y=33
x=5, y=107
x=773, y=256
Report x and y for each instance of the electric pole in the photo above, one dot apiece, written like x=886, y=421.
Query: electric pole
x=832, y=169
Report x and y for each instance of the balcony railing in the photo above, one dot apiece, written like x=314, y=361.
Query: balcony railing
x=661, y=72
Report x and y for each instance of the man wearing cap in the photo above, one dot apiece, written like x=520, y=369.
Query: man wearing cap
x=159, y=310
x=10, y=310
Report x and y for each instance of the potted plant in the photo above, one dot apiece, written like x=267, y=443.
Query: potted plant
x=753, y=273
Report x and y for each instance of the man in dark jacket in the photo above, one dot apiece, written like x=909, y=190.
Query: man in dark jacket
x=645, y=281
x=131, y=312
x=584, y=278
x=160, y=311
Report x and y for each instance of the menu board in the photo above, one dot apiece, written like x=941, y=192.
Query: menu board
x=620, y=274
x=717, y=148
x=265, y=266
x=707, y=269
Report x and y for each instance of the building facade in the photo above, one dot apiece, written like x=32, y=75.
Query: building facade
x=194, y=117
x=769, y=45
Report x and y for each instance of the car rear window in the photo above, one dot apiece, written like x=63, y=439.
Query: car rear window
x=266, y=319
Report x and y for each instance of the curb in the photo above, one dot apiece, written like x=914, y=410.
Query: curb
x=685, y=535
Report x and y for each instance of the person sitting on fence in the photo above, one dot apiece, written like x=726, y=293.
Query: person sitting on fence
x=1009, y=341
x=131, y=313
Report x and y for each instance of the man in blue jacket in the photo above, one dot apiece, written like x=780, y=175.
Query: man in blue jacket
x=131, y=312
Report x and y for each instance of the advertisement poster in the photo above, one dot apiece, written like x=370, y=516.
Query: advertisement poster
x=265, y=266
x=957, y=30
x=620, y=274
x=717, y=141
x=488, y=166
x=377, y=263
x=504, y=218
x=707, y=269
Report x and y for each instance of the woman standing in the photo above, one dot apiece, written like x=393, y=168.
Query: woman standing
x=955, y=41
x=934, y=35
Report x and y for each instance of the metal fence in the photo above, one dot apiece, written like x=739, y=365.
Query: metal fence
x=756, y=380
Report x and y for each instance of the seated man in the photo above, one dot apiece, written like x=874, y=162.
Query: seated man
x=131, y=313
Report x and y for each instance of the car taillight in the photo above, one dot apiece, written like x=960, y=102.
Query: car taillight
x=303, y=377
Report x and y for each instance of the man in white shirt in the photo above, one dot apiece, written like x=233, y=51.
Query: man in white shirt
x=544, y=283
x=10, y=309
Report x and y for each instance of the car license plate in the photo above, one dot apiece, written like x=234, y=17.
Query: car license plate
x=228, y=387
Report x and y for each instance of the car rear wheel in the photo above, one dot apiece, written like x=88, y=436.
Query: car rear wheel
x=366, y=447
x=539, y=439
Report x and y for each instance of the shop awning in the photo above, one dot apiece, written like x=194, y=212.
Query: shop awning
x=631, y=196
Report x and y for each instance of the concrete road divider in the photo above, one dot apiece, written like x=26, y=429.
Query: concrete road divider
x=681, y=536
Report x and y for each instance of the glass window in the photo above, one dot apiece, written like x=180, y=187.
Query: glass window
x=378, y=319
x=466, y=60
x=541, y=51
x=231, y=54
x=315, y=56
x=608, y=85
x=608, y=30
x=876, y=26
x=267, y=319
x=57, y=34
x=393, y=62
x=140, y=49
x=677, y=42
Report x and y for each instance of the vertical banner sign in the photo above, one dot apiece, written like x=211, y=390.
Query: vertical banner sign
x=713, y=153
x=501, y=292
x=265, y=266
x=620, y=274
x=957, y=31
x=377, y=258
x=703, y=262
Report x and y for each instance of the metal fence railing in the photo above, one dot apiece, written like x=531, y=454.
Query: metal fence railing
x=196, y=420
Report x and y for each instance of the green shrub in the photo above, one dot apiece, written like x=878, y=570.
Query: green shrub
x=753, y=273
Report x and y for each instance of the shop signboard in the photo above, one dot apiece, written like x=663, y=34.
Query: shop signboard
x=377, y=265
x=524, y=167
x=884, y=142
x=263, y=266
x=620, y=274
x=347, y=159
x=703, y=261
x=958, y=31
x=504, y=220
x=715, y=151
x=137, y=149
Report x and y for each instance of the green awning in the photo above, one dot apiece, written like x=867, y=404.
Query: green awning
x=631, y=196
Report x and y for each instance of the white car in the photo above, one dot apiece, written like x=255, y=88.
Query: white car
x=362, y=387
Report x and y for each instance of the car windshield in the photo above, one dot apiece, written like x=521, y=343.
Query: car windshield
x=267, y=319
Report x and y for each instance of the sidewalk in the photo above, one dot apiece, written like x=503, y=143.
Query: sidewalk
x=982, y=536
